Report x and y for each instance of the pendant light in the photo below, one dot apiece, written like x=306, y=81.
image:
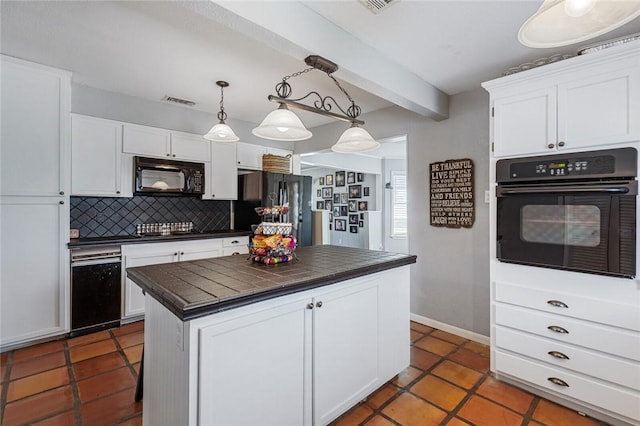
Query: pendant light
x=564, y=22
x=220, y=132
x=284, y=125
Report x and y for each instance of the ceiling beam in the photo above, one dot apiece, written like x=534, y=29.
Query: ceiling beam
x=294, y=29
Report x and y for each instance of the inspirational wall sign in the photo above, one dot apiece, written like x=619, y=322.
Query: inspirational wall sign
x=451, y=193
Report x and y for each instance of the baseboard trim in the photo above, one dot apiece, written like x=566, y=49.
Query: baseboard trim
x=479, y=338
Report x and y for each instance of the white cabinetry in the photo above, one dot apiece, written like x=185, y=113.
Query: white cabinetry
x=583, y=102
x=34, y=200
x=222, y=179
x=96, y=157
x=155, y=253
x=306, y=358
x=155, y=142
x=249, y=156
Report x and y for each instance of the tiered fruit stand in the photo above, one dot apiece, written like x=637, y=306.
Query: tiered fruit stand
x=272, y=241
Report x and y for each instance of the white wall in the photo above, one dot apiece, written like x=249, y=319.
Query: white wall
x=450, y=281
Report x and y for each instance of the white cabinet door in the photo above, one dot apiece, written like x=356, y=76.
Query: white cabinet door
x=249, y=156
x=271, y=348
x=96, y=151
x=189, y=147
x=525, y=123
x=146, y=141
x=133, y=297
x=35, y=268
x=345, y=350
x=223, y=181
x=34, y=132
x=194, y=250
x=598, y=110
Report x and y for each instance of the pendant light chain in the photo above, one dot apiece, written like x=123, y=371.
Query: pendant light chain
x=354, y=110
x=221, y=114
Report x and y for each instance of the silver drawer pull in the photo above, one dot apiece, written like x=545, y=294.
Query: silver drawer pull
x=558, y=329
x=558, y=382
x=235, y=242
x=557, y=354
x=557, y=303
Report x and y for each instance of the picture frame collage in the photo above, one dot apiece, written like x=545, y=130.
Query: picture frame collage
x=343, y=195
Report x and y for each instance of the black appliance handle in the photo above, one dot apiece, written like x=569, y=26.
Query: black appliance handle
x=627, y=188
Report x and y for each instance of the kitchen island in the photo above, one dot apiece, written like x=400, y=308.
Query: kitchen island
x=232, y=342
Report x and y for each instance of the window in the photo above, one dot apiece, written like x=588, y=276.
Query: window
x=398, y=204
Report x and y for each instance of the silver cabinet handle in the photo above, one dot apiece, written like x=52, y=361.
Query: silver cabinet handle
x=551, y=146
x=558, y=355
x=561, y=143
x=309, y=305
x=557, y=304
x=175, y=254
x=61, y=192
x=319, y=304
x=213, y=195
x=117, y=192
x=61, y=202
x=168, y=155
x=558, y=382
x=235, y=253
x=173, y=155
x=558, y=329
x=181, y=253
x=235, y=242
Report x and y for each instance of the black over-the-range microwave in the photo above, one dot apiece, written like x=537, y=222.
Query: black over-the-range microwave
x=158, y=176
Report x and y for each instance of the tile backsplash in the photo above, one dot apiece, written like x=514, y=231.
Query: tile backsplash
x=107, y=217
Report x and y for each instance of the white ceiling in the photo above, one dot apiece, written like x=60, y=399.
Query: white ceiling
x=413, y=54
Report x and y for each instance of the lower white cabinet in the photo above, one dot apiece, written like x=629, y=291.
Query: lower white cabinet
x=155, y=253
x=35, y=268
x=299, y=359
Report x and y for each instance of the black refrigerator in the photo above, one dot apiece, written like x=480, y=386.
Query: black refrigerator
x=266, y=189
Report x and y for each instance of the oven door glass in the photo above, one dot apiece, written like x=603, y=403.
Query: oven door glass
x=588, y=233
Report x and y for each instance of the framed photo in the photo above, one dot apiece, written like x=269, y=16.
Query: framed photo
x=336, y=198
x=353, y=219
x=361, y=216
x=361, y=223
x=320, y=205
x=321, y=181
x=360, y=177
x=330, y=226
x=319, y=193
x=365, y=191
x=353, y=206
x=344, y=198
x=330, y=218
x=363, y=206
x=353, y=229
x=327, y=193
x=341, y=224
x=351, y=177
x=328, y=205
x=329, y=179
x=336, y=210
x=355, y=191
x=340, y=178
x=343, y=211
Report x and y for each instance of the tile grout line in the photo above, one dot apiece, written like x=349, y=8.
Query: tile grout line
x=77, y=404
x=5, y=385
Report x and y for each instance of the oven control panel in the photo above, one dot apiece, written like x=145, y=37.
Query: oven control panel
x=579, y=166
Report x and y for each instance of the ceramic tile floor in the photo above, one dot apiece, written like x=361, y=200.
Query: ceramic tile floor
x=90, y=380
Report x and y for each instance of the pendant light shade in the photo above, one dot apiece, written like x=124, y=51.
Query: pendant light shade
x=220, y=132
x=355, y=139
x=282, y=125
x=564, y=22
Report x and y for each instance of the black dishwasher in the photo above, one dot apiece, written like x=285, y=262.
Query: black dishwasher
x=95, y=289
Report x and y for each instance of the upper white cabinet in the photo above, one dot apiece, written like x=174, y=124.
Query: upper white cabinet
x=96, y=157
x=582, y=102
x=249, y=156
x=155, y=142
x=35, y=127
x=222, y=179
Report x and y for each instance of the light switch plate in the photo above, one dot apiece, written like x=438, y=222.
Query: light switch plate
x=487, y=196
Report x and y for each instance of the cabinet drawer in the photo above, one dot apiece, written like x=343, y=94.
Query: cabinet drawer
x=615, y=370
x=621, y=401
x=235, y=241
x=231, y=251
x=589, y=335
x=620, y=314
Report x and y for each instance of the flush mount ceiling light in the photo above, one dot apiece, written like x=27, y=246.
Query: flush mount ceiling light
x=563, y=22
x=220, y=132
x=284, y=125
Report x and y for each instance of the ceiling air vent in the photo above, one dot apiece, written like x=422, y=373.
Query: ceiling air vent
x=377, y=6
x=178, y=101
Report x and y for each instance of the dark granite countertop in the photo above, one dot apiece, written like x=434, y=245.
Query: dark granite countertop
x=132, y=239
x=201, y=287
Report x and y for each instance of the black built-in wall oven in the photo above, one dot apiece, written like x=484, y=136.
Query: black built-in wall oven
x=569, y=211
